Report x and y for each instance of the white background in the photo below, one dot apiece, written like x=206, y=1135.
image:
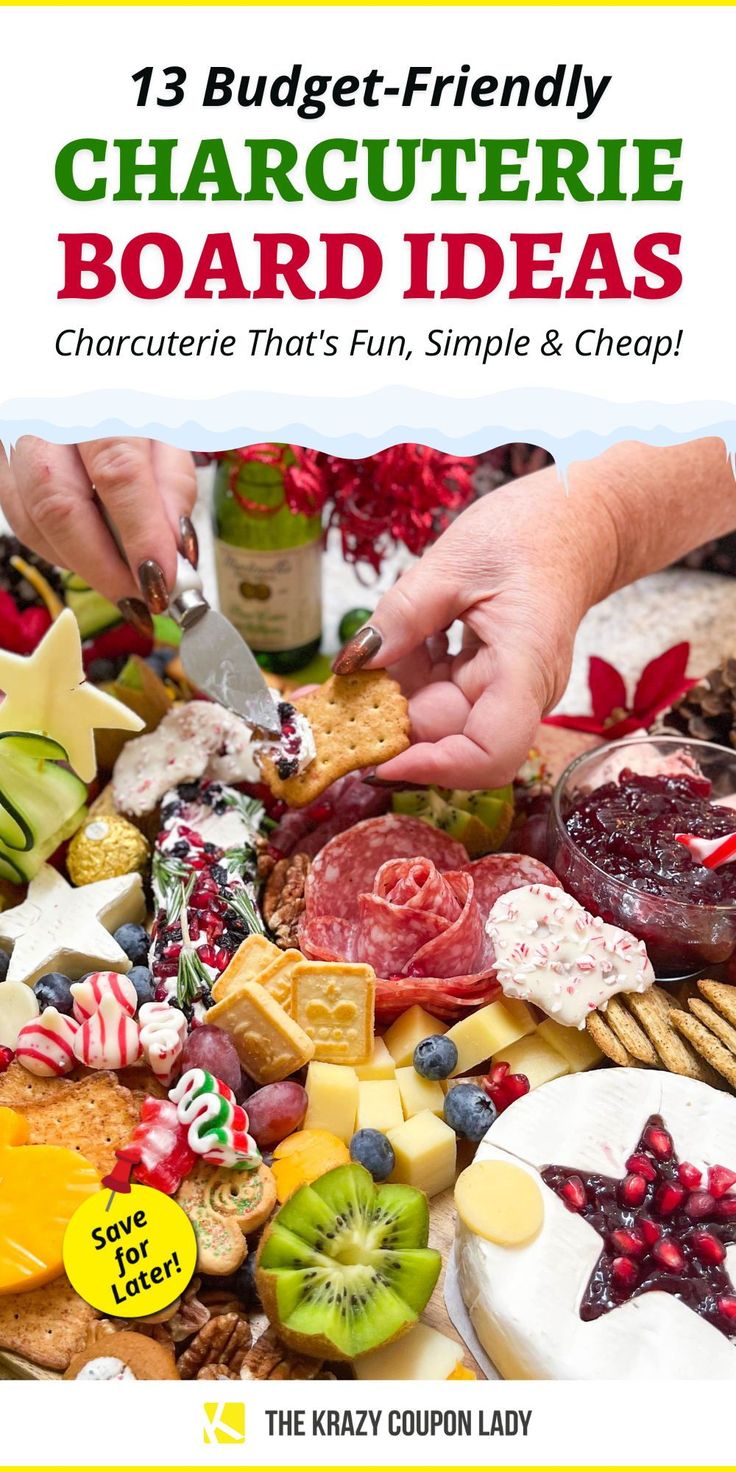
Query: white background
x=70, y=76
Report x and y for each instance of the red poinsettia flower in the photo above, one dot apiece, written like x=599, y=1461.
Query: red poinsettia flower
x=660, y=684
x=20, y=632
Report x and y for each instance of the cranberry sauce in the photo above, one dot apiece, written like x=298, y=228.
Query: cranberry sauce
x=663, y=1228
x=628, y=829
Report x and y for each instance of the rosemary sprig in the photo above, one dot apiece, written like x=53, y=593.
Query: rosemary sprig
x=244, y=905
x=191, y=977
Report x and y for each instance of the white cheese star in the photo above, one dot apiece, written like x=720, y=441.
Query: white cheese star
x=47, y=691
x=58, y=928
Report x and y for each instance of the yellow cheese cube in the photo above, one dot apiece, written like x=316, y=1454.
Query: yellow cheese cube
x=483, y=1033
x=535, y=1058
x=574, y=1044
x=408, y=1030
x=426, y=1150
x=422, y=1354
x=419, y=1093
x=332, y=1099
x=380, y=1065
x=379, y=1105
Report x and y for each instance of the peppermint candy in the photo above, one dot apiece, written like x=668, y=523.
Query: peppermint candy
x=45, y=1046
x=163, y=1034
x=110, y=1038
x=217, y=1125
x=710, y=852
x=88, y=994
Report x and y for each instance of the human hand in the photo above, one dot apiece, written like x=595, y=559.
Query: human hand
x=50, y=495
x=519, y=568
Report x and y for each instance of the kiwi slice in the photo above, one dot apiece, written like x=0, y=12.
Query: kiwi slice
x=479, y=820
x=345, y=1266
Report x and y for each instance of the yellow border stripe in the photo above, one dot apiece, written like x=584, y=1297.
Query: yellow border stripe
x=370, y=4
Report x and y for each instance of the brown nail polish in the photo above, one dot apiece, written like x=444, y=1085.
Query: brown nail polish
x=358, y=651
x=134, y=612
x=189, y=540
x=153, y=585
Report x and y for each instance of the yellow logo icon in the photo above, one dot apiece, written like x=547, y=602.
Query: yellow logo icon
x=224, y=1423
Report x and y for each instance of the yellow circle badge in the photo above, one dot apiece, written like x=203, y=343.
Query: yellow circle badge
x=129, y=1253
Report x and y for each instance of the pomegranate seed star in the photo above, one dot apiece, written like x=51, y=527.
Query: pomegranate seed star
x=662, y=1230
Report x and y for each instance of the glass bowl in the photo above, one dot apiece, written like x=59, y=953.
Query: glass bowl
x=681, y=936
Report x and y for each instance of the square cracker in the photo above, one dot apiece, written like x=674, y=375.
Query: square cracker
x=334, y=1001
x=94, y=1115
x=357, y=721
x=47, y=1326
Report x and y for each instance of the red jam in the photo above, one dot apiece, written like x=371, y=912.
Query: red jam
x=628, y=829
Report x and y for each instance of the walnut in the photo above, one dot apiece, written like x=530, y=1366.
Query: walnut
x=283, y=899
x=224, y=1340
x=190, y=1317
x=216, y=1372
x=269, y=1359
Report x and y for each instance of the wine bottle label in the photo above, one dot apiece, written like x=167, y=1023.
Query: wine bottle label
x=274, y=599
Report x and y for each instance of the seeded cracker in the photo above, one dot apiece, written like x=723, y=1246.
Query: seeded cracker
x=656, y=1012
x=357, y=721
x=48, y=1326
x=94, y=1115
x=606, y=1040
x=712, y=1019
x=706, y=1044
x=720, y=996
x=629, y=1032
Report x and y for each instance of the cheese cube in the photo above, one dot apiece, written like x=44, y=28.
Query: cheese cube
x=419, y=1093
x=422, y=1354
x=574, y=1044
x=485, y=1032
x=332, y=1099
x=535, y=1058
x=380, y=1064
x=379, y=1105
x=426, y=1150
x=408, y=1030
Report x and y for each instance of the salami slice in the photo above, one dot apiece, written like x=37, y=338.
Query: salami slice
x=347, y=802
x=448, y=1000
x=497, y=873
x=347, y=866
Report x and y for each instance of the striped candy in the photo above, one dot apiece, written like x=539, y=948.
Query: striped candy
x=109, y=1038
x=217, y=1124
x=88, y=994
x=163, y=1034
x=710, y=852
x=45, y=1045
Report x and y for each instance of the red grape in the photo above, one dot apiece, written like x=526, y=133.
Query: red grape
x=212, y=1048
x=275, y=1111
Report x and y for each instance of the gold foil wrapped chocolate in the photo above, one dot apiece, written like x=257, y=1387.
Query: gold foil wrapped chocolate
x=105, y=847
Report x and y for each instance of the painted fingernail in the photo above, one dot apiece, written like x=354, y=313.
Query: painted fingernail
x=153, y=586
x=358, y=651
x=189, y=540
x=134, y=612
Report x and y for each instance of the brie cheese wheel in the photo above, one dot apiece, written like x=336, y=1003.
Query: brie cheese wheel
x=524, y=1302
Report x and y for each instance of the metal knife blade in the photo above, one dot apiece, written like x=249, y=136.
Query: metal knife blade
x=218, y=661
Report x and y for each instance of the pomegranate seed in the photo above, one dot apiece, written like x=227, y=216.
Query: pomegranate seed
x=727, y=1306
x=499, y=1072
x=173, y=952
x=161, y=993
x=689, y=1175
x=624, y=1272
x=223, y=960
x=641, y=1165
x=632, y=1190
x=573, y=1194
x=668, y=1197
x=707, y=1248
x=668, y=1255
x=197, y=862
x=698, y=1204
x=726, y=1208
x=658, y=1141
x=650, y=1231
x=194, y=928
x=720, y=1180
x=6, y=1057
x=208, y=956
x=630, y=1243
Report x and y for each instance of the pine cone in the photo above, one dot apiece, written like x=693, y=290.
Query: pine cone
x=707, y=712
x=283, y=899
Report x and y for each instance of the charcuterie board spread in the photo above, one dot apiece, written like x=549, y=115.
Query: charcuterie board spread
x=352, y=1028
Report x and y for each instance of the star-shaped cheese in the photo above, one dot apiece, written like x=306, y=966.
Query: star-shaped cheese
x=47, y=691
x=58, y=928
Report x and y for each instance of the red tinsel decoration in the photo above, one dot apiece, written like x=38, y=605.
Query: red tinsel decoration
x=405, y=495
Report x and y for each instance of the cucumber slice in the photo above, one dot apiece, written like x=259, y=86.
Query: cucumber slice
x=41, y=802
x=93, y=613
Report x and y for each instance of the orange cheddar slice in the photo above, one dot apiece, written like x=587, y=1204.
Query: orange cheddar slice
x=41, y=1187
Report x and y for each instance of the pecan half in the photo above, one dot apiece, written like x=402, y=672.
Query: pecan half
x=216, y=1372
x=283, y=899
x=224, y=1340
x=269, y=1359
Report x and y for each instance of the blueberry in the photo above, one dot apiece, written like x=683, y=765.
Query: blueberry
x=435, y=1057
x=101, y=671
x=158, y=660
x=52, y=990
x=4, y=965
x=134, y=940
x=244, y=1283
x=373, y=1150
x=143, y=982
x=469, y=1111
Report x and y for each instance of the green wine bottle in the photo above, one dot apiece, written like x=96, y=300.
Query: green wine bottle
x=268, y=561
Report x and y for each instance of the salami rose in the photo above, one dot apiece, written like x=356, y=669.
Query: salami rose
x=403, y=897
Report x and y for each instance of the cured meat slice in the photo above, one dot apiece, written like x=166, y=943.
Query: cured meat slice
x=496, y=874
x=348, y=801
x=448, y=1000
x=438, y=932
x=347, y=866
